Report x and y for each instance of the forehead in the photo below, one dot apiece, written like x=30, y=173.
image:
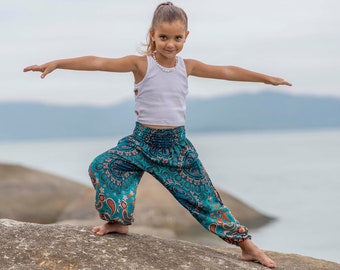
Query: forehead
x=173, y=28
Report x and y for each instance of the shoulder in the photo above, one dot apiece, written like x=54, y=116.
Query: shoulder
x=135, y=59
x=192, y=66
x=137, y=63
x=131, y=59
x=140, y=61
x=122, y=64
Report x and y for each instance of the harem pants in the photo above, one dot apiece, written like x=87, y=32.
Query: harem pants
x=171, y=158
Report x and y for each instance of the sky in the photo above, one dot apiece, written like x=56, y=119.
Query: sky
x=296, y=40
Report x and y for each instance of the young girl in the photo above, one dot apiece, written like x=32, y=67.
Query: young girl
x=158, y=144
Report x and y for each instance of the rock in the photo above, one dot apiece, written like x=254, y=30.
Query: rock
x=34, y=196
x=27, y=246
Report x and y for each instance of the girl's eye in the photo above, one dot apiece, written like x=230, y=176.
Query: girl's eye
x=178, y=38
x=163, y=37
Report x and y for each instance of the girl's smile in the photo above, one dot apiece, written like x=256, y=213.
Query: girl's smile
x=169, y=40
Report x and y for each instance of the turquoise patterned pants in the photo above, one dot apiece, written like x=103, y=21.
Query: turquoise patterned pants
x=171, y=158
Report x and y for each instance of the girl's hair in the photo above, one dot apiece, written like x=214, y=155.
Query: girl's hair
x=165, y=12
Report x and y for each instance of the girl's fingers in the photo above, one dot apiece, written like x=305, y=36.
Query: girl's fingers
x=283, y=82
x=42, y=76
x=28, y=68
x=33, y=68
x=279, y=81
x=45, y=70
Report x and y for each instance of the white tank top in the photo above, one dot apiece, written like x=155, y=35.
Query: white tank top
x=160, y=96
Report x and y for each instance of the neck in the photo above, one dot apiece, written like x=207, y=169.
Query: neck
x=163, y=61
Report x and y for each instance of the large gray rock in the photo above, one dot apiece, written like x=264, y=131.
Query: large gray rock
x=35, y=246
x=34, y=196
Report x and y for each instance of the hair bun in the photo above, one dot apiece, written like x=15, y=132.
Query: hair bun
x=167, y=4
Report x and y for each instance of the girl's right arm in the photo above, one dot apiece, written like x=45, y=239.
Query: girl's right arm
x=124, y=64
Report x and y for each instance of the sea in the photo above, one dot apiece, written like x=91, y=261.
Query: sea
x=293, y=176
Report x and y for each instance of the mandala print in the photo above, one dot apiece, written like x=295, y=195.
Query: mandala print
x=172, y=159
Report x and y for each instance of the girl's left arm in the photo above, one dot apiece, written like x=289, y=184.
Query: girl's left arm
x=230, y=73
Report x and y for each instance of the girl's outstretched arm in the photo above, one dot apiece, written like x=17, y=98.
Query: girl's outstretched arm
x=231, y=73
x=124, y=64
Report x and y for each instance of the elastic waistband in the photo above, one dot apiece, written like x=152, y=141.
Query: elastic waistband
x=170, y=135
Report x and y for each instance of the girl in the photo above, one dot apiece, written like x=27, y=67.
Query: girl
x=158, y=144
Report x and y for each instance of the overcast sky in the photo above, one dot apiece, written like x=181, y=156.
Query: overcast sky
x=295, y=39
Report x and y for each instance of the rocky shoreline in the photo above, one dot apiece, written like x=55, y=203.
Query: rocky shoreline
x=31, y=198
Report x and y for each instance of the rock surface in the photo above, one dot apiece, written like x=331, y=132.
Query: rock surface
x=26, y=246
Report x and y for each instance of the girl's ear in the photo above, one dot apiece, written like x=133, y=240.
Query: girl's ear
x=152, y=34
x=186, y=35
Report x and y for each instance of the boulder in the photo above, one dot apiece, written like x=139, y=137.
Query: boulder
x=34, y=196
x=26, y=246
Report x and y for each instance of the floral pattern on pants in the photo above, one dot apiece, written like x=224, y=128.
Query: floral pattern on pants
x=172, y=159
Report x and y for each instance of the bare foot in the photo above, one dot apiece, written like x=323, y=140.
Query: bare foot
x=250, y=252
x=110, y=228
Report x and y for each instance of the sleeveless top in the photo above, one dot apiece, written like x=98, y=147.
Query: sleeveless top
x=160, y=96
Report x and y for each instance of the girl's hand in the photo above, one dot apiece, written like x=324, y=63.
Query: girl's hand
x=45, y=68
x=278, y=81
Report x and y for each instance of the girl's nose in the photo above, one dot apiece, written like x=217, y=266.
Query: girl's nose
x=170, y=45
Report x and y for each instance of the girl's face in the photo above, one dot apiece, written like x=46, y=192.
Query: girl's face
x=169, y=38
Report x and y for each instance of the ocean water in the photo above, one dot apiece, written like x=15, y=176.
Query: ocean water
x=292, y=176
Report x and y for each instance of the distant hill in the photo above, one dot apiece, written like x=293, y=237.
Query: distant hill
x=240, y=112
x=263, y=111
